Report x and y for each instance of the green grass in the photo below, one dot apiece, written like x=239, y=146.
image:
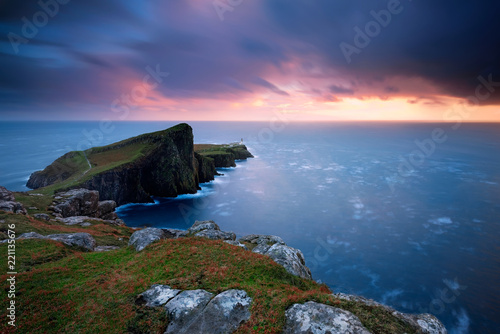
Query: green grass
x=30, y=200
x=72, y=169
x=64, y=290
x=104, y=234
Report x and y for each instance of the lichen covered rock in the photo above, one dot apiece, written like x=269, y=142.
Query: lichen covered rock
x=140, y=239
x=315, y=318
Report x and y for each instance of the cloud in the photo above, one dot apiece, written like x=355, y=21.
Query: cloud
x=93, y=52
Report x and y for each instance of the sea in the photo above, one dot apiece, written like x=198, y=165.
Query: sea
x=407, y=214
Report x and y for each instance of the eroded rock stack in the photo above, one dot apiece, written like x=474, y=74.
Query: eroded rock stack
x=199, y=311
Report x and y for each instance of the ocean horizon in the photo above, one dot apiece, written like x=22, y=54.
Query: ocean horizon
x=405, y=213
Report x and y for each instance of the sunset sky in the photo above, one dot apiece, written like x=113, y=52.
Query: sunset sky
x=250, y=60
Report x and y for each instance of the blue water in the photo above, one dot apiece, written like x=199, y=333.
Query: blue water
x=373, y=216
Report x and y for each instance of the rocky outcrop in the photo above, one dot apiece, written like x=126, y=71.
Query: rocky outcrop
x=273, y=246
x=42, y=216
x=157, y=295
x=226, y=156
x=6, y=195
x=424, y=323
x=223, y=314
x=106, y=210
x=198, y=311
x=8, y=202
x=318, y=318
x=78, y=206
x=76, y=202
x=210, y=230
x=142, y=238
x=291, y=259
x=185, y=308
x=81, y=240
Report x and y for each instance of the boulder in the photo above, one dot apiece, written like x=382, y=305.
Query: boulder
x=210, y=230
x=14, y=207
x=83, y=240
x=105, y=248
x=77, y=202
x=223, y=314
x=184, y=309
x=216, y=235
x=6, y=195
x=424, y=323
x=291, y=259
x=77, y=220
x=201, y=225
x=171, y=233
x=312, y=317
x=105, y=207
x=157, y=295
x=260, y=239
x=140, y=239
x=42, y=216
x=31, y=235
x=8, y=202
x=109, y=216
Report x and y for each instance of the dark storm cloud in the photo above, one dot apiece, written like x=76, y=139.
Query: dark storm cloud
x=89, y=50
x=448, y=42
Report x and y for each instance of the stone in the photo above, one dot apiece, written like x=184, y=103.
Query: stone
x=8, y=202
x=14, y=207
x=31, y=235
x=140, y=239
x=105, y=208
x=291, y=259
x=157, y=295
x=77, y=220
x=109, y=216
x=210, y=230
x=171, y=233
x=105, y=248
x=216, y=235
x=260, y=239
x=222, y=315
x=203, y=225
x=82, y=240
x=78, y=202
x=424, y=323
x=316, y=318
x=32, y=208
x=184, y=309
x=6, y=195
x=42, y=216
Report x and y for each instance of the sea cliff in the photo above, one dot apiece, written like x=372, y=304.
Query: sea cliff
x=162, y=163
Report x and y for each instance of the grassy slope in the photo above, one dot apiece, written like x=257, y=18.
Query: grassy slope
x=104, y=158
x=64, y=290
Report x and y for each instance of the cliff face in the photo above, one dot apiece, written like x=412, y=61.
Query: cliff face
x=160, y=164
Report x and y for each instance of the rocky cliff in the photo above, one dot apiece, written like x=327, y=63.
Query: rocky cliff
x=160, y=164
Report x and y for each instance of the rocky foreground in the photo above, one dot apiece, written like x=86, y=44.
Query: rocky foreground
x=199, y=310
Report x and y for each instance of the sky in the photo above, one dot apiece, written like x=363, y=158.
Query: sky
x=304, y=60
